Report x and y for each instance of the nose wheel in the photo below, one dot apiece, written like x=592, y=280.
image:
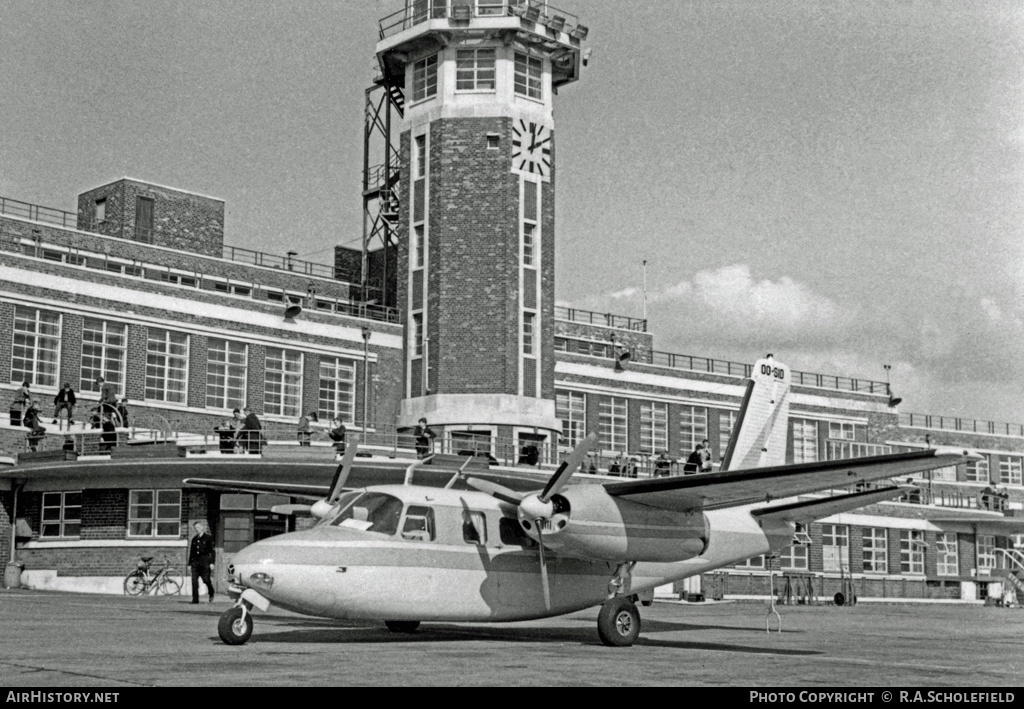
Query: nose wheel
x=618, y=623
x=235, y=625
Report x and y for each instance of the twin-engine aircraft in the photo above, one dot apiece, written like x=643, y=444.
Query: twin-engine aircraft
x=408, y=553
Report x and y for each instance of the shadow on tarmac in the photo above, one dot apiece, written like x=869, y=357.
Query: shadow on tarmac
x=339, y=632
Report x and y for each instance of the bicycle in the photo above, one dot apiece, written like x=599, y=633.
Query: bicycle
x=165, y=580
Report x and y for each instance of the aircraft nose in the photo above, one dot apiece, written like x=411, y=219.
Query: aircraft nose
x=255, y=559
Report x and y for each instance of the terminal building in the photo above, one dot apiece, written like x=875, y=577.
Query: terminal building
x=447, y=313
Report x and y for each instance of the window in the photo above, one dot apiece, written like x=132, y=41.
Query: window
x=417, y=334
x=493, y=141
x=424, y=78
x=101, y=210
x=840, y=430
x=977, y=471
x=947, y=559
x=104, y=346
x=474, y=70
x=805, y=440
x=613, y=419
x=337, y=389
x=529, y=333
x=420, y=156
x=944, y=474
x=36, y=351
x=474, y=527
x=418, y=247
x=796, y=556
x=986, y=551
x=166, y=366
x=528, y=76
x=693, y=427
x=911, y=551
x=1009, y=471
x=571, y=407
x=653, y=427
x=726, y=423
x=529, y=236
x=154, y=513
x=754, y=562
x=510, y=532
x=419, y=524
x=282, y=385
x=226, y=367
x=835, y=547
x=61, y=515
x=876, y=550
x=372, y=512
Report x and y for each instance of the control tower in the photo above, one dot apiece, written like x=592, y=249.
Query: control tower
x=474, y=82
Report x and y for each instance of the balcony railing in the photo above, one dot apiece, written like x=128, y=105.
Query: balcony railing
x=414, y=12
x=589, y=317
x=954, y=423
x=708, y=365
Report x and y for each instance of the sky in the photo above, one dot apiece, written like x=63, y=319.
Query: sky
x=838, y=182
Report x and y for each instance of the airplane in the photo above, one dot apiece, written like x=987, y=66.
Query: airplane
x=410, y=553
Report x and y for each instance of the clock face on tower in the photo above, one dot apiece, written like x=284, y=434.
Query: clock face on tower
x=531, y=148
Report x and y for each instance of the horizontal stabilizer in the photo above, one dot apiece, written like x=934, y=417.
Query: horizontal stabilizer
x=807, y=511
x=306, y=492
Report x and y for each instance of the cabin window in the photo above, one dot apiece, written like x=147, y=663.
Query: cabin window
x=474, y=527
x=512, y=533
x=419, y=524
x=372, y=512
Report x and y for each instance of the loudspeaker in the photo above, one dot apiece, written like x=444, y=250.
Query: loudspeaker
x=292, y=310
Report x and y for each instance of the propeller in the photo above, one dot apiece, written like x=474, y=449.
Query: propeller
x=538, y=508
x=322, y=507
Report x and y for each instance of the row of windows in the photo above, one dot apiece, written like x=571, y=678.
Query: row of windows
x=151, y=513
x=613, y=426
x=475, y=70
x=36, y=356
x=835, y=548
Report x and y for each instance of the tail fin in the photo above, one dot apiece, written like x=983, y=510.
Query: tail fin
x=759, y=437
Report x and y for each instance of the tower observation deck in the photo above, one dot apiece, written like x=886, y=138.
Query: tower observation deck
x=464, y=200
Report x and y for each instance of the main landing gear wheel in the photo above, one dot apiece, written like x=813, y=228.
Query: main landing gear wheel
x=402, y=626
x=618, y=623
x=235, y=626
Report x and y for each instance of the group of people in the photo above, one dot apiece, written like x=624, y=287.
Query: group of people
x=992, y=498
x=240, y=434
x=699, y=461
x=109, y=412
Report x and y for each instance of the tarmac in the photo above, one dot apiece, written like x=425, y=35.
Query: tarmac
x=77, y=640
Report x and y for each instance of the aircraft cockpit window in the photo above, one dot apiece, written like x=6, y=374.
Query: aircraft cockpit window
x=372, y=512
x=474, y=527
x=512, y=533
x=340, y=506
x=419, y=524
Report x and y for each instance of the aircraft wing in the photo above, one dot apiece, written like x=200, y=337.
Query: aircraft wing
x=740, y=487
x=806, y=511
x=307, y=492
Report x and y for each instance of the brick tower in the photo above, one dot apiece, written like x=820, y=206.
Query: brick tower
x=476, y=221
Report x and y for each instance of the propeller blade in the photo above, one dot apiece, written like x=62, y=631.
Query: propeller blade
x=544, y=570
x=569, y=466
x=495, y=490
x=341, y=476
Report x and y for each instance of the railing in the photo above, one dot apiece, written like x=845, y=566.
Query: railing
x=715, y=366
x=952, y=423
x=69, y=220
x=590, y=317
x=415, y=12
x=34, y=247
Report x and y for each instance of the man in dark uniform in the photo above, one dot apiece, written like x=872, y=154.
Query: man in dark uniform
x=200, y=558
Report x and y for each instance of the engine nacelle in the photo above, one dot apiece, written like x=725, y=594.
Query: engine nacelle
x=589, y=523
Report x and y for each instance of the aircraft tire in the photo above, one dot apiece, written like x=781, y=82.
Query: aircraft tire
x=232, y=628
x=402, y=626
x=618, y=623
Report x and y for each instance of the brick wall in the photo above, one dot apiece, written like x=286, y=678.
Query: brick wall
x=181, y=220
